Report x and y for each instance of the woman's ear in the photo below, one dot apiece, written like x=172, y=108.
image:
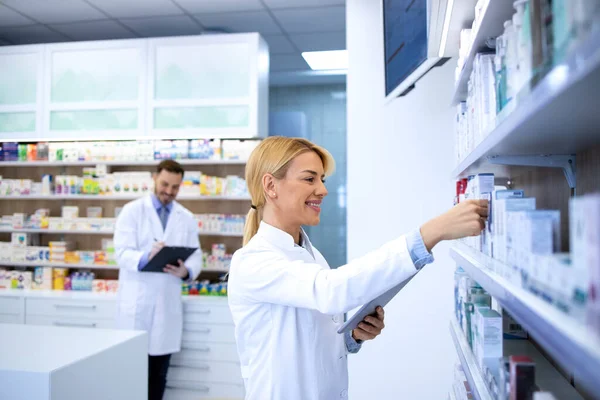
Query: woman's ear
x=269, y=186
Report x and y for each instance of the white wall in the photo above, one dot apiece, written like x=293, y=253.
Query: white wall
x=399, y=166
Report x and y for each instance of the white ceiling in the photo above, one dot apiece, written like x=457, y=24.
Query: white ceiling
x=289, y=26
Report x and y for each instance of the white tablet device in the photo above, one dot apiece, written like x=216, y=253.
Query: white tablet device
x=369, y=308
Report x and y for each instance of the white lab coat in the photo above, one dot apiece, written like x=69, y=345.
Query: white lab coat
x=287, y=307
x=152, y=301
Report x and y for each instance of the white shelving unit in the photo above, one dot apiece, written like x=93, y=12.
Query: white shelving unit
x=467, y=359
x=564, y=338
x=451, y=395
x=55, y=265
x=116, y=197
x=559, y=118
x=114, y=163
x=100, y=232
x=84, y=266
x=491, y=26
x=535, y=123
x=546, y=376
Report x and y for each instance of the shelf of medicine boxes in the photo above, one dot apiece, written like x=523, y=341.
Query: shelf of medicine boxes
x=547, y=378
x=97, y=232
x=84, y=266
x=559, y=116
x=467, y=359
x=115, y=163
x=564, y=338
x=491, y=25
x=114, y=197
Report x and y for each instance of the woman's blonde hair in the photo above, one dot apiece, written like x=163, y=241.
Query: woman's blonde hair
x=274, y=156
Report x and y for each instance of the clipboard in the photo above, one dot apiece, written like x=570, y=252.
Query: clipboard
x=369, y=308
x=168, y=255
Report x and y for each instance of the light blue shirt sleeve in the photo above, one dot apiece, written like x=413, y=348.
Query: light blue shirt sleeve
x=352, y=345
x=143, y=261
x=418, y=252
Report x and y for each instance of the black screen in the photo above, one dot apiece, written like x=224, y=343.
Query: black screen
x=405, y=37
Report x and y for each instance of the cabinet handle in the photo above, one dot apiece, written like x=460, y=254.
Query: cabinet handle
x=205, y=312
x=189, y=385
x=202, y=330
x=191, y=346
x=192, y=364
x=76, y=324
x=76, y=306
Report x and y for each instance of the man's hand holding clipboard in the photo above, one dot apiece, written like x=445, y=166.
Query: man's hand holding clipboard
x=168, y=259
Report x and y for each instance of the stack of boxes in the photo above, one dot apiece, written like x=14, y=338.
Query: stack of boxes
x=585, y=249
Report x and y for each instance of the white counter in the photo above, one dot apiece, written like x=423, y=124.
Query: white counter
x=47, y=362
x=77, y=294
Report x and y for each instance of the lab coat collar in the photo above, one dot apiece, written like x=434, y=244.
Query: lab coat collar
x=281, y=238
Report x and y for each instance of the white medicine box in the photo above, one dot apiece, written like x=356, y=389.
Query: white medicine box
x=20, y=239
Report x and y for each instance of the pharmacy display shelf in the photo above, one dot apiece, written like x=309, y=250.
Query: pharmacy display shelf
x=568, y=341
x=56, y=265
x=491, y=26
x=469, y=363
x=451, y=395
x=559, y=116
x=115, y=163
x=61, y=294
x=86, y=295
x=84, y=266
x=58, y=231
x=215, y=270
x=547, y=377
x=115, y=197
x=97, y=232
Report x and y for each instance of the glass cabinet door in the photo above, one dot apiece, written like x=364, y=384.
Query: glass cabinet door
x=201, y=86
x=20, y=92
x=96, y=89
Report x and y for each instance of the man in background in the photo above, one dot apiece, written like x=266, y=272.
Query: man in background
x=151, y=301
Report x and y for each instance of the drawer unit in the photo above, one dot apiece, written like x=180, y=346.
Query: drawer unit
x=204, y=351
x=177, y=390
x=70, y=321
x=12, y=309
x=12, y=304
x=12, y=318
x=206, y=371
x=103, y=309
x=197, y=332
x=198, y=312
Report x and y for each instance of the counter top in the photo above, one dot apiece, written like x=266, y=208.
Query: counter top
x=84, y=295
x=23, y=349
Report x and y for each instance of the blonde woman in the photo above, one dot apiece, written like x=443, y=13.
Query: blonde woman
x=287, y=304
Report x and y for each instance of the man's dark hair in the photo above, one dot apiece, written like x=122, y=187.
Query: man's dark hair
x=170, y=166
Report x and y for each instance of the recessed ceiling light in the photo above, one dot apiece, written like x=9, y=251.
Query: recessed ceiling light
x=320, y=60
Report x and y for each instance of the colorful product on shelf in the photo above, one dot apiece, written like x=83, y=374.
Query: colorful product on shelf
x=123, y=183
x=140, y=150
x=204, y=288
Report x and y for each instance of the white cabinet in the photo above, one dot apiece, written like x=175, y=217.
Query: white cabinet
x=82, y=313
x=44, y=363
x=95, y=89
x=208, y=365
x=12, y=309
x=21, y=88
x=208, y=86
x=194, y=391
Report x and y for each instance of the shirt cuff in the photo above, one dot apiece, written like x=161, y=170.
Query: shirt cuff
x=418, y=252
x=143, y=261
x=190, y=277
x=352, y=345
